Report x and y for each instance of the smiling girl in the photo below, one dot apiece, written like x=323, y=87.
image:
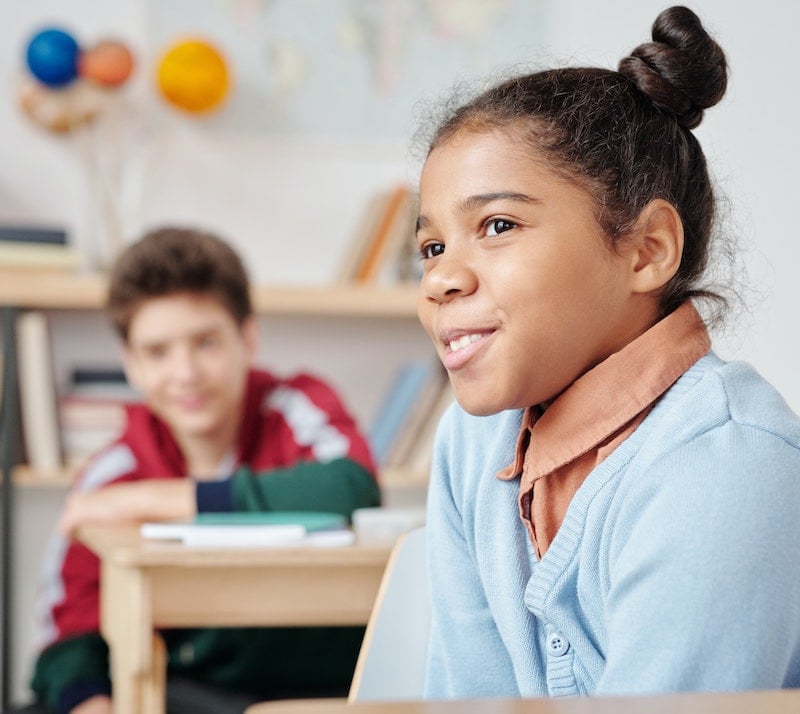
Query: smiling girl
x=612, y=507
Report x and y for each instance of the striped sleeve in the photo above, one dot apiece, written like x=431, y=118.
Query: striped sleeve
x=319, y=424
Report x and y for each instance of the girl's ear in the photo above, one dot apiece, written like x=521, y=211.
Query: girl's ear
x=657, y=246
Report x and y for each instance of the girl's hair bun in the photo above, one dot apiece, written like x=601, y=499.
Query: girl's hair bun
x=683, y=71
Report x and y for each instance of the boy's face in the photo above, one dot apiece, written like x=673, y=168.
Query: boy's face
x=520, y=292
x=190, y=359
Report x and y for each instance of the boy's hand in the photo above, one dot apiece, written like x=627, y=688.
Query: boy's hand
x=152, y=499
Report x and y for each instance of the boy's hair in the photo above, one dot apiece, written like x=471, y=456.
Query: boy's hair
x=174, y=260
x=625, y=136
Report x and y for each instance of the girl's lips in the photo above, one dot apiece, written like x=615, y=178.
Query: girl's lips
x=461, y=348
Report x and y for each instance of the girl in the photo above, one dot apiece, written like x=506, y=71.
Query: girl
x=613, y=509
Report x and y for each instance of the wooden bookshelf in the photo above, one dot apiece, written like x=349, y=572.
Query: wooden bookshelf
x=36, y=289
x=32, y=289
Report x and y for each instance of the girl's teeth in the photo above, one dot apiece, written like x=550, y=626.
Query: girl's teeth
x=462, y=342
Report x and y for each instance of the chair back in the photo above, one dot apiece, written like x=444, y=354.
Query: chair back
x=391, y=662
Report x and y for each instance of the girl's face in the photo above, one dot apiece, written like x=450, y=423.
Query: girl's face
x=521, y=292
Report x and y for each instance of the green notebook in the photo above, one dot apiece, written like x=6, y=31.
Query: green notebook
x=310, y=520
x=237, y=529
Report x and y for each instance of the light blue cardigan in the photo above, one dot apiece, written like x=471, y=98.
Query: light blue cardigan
x=677, y=567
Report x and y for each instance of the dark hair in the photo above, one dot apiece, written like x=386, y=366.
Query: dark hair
x=176, y=260
x=626, y=135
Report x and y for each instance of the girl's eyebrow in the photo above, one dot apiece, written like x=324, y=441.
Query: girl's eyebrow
x=481, y=199
x=472, y=202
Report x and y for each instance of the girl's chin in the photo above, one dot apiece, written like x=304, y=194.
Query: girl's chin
x=478, y=404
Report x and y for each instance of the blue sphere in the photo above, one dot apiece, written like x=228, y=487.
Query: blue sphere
x=52, y=57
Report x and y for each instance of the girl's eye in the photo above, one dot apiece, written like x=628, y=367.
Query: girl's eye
x=431, y=250
x=496, y=226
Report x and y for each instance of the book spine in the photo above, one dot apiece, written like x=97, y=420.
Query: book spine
x=37, y=391
x=397, y=405
x=407, y=438
x=418, y=460
x=29, y=234
x=380, y=242
x=39, y=255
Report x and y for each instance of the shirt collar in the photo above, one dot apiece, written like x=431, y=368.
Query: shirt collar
x=602, y=401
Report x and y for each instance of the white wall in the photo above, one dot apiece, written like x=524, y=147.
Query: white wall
x=309, y=194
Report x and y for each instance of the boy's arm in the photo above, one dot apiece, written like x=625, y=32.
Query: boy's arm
x=338, y=486
x=151, y=499
x=333, y=469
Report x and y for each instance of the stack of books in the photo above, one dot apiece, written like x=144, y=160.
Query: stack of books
x=92, y=411
x=36, y=247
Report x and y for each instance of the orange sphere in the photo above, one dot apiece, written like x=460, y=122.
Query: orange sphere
x=193, y=76
x=108, y=63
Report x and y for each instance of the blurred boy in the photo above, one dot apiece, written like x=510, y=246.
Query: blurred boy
x=179, y=300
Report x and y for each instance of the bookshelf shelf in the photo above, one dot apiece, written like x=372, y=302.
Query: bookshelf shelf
x=85, y=291
x=24, y=476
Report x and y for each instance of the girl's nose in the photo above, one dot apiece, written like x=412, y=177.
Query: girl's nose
x=451, y=277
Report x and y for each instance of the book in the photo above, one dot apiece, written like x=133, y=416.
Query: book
x=362, y=236
x=254, y=529
x=418, y=458
x=102, y=383
x=398, y=402
x=392, y=225
x=95, y=375
x=38, y=255
x=37, y=394
x=32, y=234
x=408, y=434
x=398, y=261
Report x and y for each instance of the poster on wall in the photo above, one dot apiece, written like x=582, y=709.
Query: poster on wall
x=350, y=68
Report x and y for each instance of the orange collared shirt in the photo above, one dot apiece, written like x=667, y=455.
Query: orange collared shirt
x=559, y=446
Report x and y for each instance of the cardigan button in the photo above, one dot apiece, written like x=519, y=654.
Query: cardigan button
x=557, y=644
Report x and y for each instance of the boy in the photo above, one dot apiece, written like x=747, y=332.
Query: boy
x=179, y=300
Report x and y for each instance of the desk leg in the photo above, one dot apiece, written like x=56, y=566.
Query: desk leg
x=154, y=686
x=137, y=653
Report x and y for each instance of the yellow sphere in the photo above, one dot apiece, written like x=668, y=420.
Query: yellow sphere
x=193, y=76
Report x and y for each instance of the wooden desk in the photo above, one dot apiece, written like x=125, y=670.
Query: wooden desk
x=770, y=702
x=147, y=585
